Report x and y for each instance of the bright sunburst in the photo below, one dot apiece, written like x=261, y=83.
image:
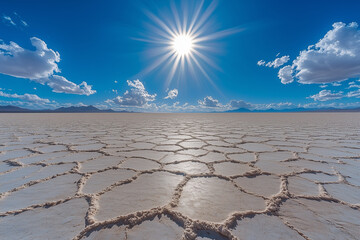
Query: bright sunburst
x=182, y=40
x=183, y=44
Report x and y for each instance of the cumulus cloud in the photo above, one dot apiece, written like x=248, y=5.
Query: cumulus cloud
x=285, y=74
x=334, y=58
x=60, y=84
x=38, y=65
x=235, y=104
x=22, y=63
x=26, y=97
x=209, y=102
x=326, y=95
x=172, y=94
x=276, y=63
x=137, y=96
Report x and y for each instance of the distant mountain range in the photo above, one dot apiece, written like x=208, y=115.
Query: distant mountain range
x=72, y=109
x=92, y=109
x=299, y=110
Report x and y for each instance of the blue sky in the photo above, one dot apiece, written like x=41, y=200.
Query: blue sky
x=252, y=54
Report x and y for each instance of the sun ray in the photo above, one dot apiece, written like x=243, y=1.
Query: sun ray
x=182, y=40
x=194, y=19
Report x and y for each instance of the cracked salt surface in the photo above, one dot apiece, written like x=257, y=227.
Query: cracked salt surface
x=180, y=176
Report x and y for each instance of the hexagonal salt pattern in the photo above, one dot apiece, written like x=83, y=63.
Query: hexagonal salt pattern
x=179, y=176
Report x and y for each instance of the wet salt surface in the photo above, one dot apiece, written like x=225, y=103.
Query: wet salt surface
x=180, y=176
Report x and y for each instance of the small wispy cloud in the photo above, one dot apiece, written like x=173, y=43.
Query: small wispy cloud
x=326, y=95
x=172, y=94
x=26, y=97
x=8, y=20
x=276, y=63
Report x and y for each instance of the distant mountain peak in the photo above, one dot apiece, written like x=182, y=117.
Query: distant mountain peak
x=71, y=109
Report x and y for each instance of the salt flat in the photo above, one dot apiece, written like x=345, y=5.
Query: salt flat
x=180, y=176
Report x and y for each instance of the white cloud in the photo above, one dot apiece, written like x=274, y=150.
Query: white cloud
x=353, y=85
x=209, y=102
x=137, y=96
x=8, y=19
x=355, y=93
x=334, y=58
x=39, y=66
x=285, y=74
x=24, y=23
x=172, y=94
x=326, y=95
x=336, y=84
x=236, y=104
x=261, y=63
x=276, y=106
x=22, y=63
x=26, y=97
x=276, y=63
x=60, y=84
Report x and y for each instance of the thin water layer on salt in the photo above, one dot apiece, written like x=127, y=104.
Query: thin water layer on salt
x=286, y=191
x=300, y=186
x=100, y=163
x=165, y=229
x=42, y=157
x=50, y=190
x=264, y=227
x=330, y=152
x=322, y=220
x=101, y=180
x=276, y=167
x=232, y=169
x=108, y=233
x=212, y=157
x=150, y=154
x=242, y=157
x=214, y=199
x=51, y=148
x=344, y=192
x=256, y=147
x=139, y=164
x=188, y=167
x=276, y=156
x=76, y=157
x=7, y=155
x=25, y=175
x=146, y=192
x=173, y=158
x=94, y=147
x=263, y=185
x=319, y=177
x=63, y=221
x=4, y=167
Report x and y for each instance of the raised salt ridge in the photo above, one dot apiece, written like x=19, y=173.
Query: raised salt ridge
x=171, y=176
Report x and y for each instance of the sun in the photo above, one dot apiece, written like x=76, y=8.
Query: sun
x=182, y=44
x=183, y=41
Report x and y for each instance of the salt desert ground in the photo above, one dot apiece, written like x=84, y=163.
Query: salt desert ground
x=180, y=176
